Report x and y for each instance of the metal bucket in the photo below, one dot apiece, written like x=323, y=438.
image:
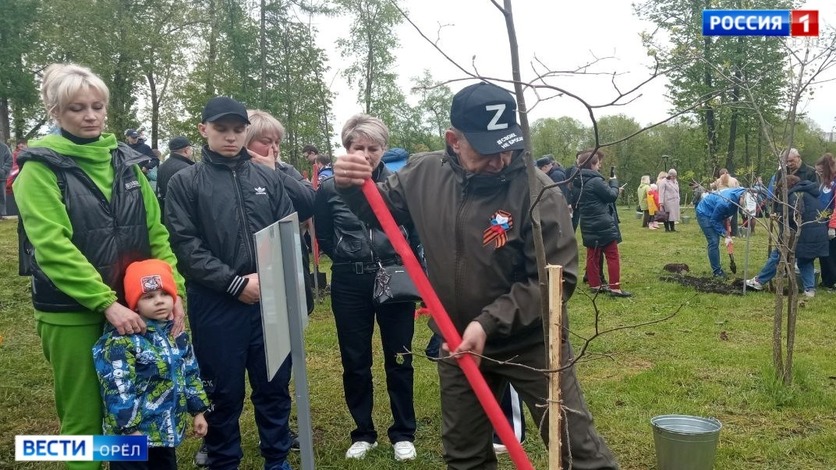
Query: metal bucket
x=685, y=442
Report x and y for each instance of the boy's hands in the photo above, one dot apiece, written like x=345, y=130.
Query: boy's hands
x=125, y=320
x=252, y=292
x=200, y=425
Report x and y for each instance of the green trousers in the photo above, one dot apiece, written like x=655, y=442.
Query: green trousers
x=69, y=350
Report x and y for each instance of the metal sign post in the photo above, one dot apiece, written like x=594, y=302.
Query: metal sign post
x=284, y=315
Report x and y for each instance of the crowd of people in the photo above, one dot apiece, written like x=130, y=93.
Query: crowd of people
x=112, y=259
x=115, y=240
x=798, y=194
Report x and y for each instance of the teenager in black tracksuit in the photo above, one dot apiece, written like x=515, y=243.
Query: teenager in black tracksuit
x=213, y=208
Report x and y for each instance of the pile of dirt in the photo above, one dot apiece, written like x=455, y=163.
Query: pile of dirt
x=707, y=284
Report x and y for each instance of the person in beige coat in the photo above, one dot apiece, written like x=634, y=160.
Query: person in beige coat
x=669, y=199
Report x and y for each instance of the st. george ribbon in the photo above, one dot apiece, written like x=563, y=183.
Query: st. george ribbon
x=448, y=331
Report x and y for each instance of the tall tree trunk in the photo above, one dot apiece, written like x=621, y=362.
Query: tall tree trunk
x=121, y=92
x=732, y=138
x=747, y=158
x=262, y=49
x=212, y=55
x=4, y=119
x=155, y=107
x=369, y=75
x=735, y=99
x=710, y=123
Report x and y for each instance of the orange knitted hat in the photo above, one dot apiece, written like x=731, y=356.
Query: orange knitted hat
x=147, y=276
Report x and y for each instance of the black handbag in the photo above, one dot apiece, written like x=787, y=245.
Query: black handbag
x=661, y=216
x=392, y=285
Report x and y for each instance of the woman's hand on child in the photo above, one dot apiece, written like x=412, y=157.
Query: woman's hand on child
x=200, y=425
x=178, y=315
x=126, y=321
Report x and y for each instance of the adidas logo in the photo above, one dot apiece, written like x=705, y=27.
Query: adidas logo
x=260, y=191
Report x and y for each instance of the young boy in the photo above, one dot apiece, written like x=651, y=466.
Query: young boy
x=149, y=382
x=212, y=210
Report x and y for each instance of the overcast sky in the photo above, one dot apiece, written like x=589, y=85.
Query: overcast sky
x=561, y=34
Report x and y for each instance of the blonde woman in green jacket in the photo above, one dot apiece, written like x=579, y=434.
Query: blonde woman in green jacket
x=85, y=213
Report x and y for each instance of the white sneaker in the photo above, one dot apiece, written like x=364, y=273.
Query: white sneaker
x=809, y=294
x=359, y=449
x=499, y=449
x=754, y=284
x=404, y=450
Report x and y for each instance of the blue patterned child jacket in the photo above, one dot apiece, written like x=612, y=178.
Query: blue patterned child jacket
x=149, y=383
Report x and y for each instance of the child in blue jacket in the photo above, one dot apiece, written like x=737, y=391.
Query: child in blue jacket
x=150, y=382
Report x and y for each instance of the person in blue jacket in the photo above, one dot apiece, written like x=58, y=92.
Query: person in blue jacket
x=712, y=212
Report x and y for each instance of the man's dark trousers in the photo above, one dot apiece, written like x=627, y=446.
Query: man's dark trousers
x=467, y=432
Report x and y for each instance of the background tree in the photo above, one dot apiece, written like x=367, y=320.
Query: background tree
x=712, y=70
x=18, y=93
x=562, y=137
x=371, y=44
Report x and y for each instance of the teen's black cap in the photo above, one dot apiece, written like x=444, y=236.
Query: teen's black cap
x=487, y=116
x=222, y=106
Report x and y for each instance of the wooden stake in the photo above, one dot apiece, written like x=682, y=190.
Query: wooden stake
x=555, y=337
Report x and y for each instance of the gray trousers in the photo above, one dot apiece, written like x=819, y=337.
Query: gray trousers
x=466, y=432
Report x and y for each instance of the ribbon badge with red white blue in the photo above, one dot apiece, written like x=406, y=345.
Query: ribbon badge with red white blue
x=501, y=223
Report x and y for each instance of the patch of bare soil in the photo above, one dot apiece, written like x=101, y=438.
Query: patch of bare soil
x=707, y=284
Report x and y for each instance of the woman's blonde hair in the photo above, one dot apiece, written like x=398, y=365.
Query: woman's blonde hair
x=262, y=123
x=363, y=125
x=645, y=179
x=62, y=82
x=662, y=175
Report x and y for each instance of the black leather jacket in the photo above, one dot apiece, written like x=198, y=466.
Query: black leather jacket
x=346, y=239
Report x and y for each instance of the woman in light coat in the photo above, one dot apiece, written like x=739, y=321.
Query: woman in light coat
x=669, y=199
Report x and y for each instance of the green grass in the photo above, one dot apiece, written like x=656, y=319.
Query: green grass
x=682, y=365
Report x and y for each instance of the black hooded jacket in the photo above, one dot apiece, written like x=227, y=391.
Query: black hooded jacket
x=212, y=210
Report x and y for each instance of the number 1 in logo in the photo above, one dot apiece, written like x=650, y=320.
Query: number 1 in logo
x=804, y=23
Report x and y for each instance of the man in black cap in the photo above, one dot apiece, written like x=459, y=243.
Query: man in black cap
x=179, y=159
x=481, y=261
x=133, y=140
x=212, y=210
